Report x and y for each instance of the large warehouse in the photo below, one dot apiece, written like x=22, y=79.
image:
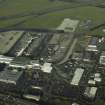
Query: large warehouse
x=8, y=39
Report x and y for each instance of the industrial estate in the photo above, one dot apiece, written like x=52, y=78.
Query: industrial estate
x=53, y=55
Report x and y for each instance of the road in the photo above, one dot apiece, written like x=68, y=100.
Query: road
x=70, y=51
x=19, y=101
x=24, y=102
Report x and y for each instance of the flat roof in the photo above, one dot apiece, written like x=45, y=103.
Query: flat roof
x=8, y=39
x=20, y=61
x=47, y=67
x=103, y=54
x=33, y=97
x=77, y=56
x=10, y=76
x=91, y=82
x=91, y=91
x=75, y=103
x=5, y=59
x=77, y=76
x=68, y=25
x=94, y=41
x=102, y=58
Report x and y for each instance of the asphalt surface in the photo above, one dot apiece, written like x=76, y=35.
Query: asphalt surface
x=70, y=51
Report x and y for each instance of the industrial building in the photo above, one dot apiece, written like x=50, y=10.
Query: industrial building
x=8, y=39
x=19, y=47
x=31, y=97
x=77, y=76
x=96, y=78
x=37, y=44
x=11, y=76
x=58, y=46
x=102, y=58
x=92, y=82
x=68, y=25
x=93, y=44
x=75, y=103
x=24, y=63
x=90, y=92
x=20, y=62
x=5, y=59
x=77, y=56
x=46, y=67
x=87, y=56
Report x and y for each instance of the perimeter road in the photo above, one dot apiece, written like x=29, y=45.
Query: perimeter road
x=70, y=51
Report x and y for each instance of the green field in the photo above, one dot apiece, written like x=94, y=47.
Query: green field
x=14, y=8
x=99, y=32
x=52, y=20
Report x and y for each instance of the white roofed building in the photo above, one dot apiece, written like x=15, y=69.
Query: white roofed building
x=90, y=92
x=5, y=59
x=68, y=25
x=77, y=76
x=46, y=67
x=75, y=103
x=92, y=82
x=102, y=58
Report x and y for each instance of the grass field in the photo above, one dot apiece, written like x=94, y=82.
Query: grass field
x=13, y=7
x=10, y=8
x=54, y=19
x=99, y=32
